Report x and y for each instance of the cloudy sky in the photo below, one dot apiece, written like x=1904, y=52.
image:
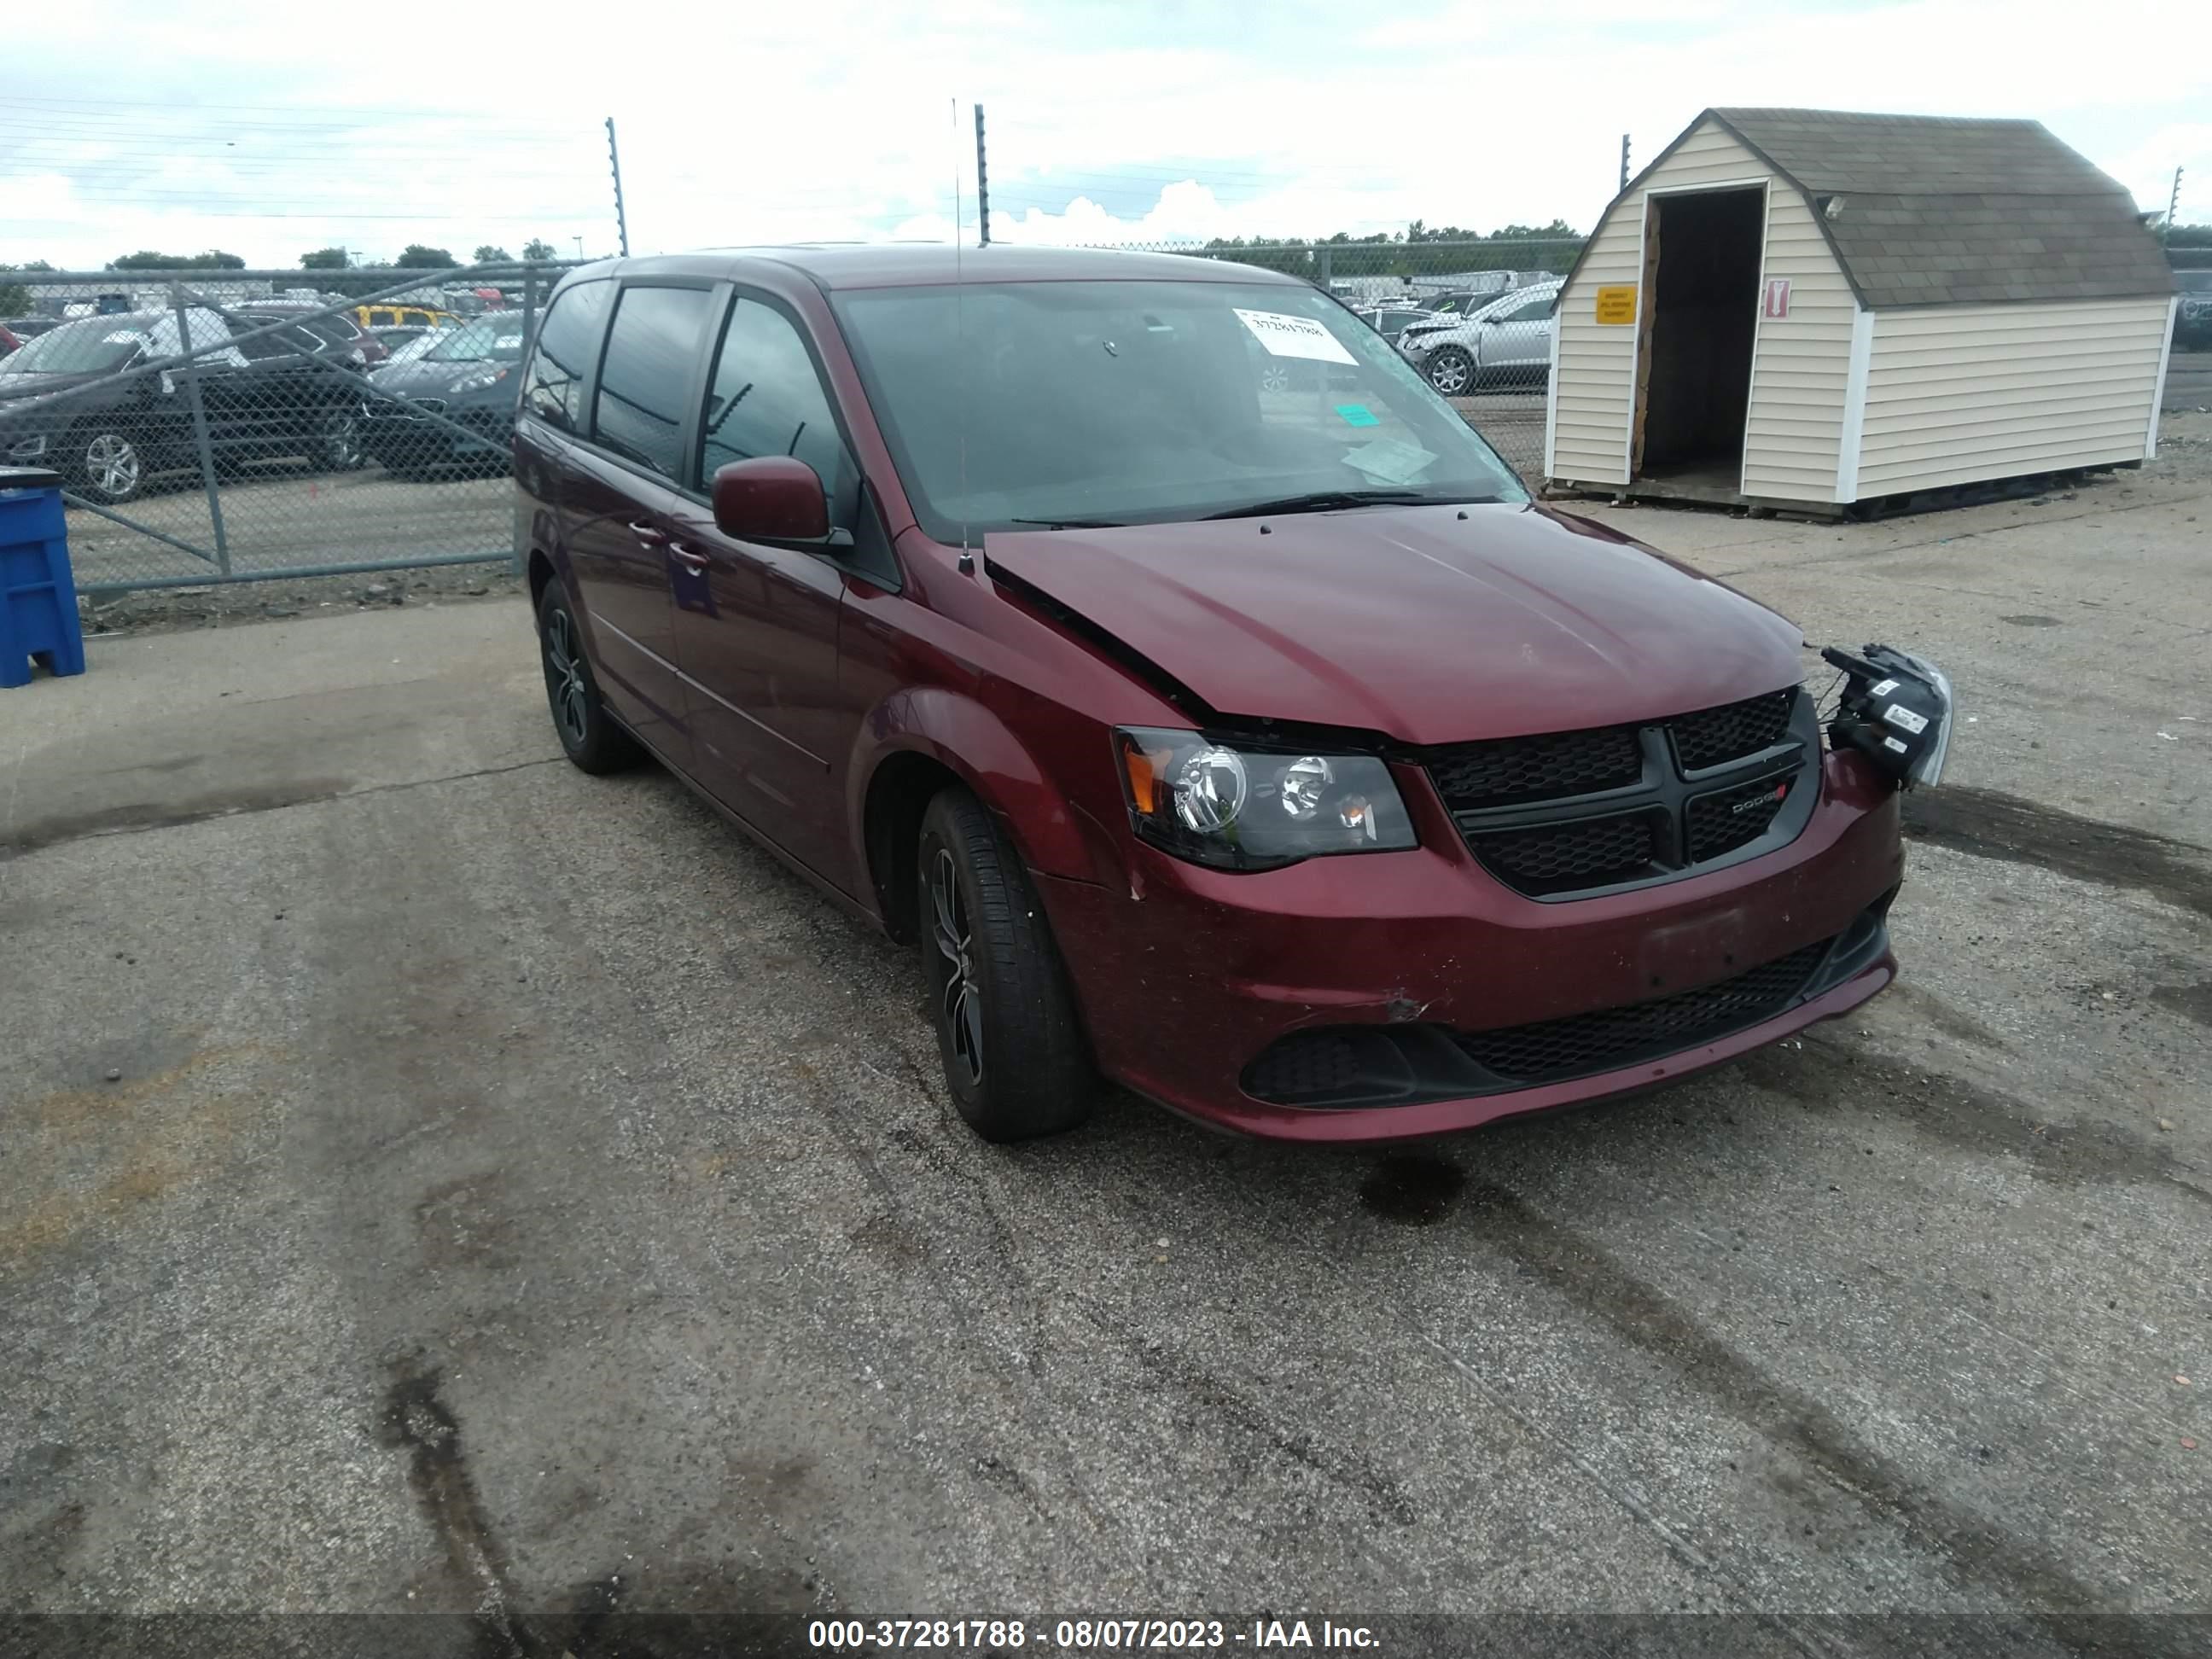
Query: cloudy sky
x=180, y=125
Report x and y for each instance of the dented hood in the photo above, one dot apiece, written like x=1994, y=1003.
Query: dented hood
x=1418, y=622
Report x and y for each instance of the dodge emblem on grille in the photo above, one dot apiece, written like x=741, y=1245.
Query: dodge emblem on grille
x=1753, y=802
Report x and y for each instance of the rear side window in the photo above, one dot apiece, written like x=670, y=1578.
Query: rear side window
x=766, y=399
x=567, y=339
x=650, y=354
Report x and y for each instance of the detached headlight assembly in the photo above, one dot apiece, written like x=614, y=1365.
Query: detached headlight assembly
x=1238, y=808
x=479, y=381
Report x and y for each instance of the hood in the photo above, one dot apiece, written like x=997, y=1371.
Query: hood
x=1414, y=622
x=427, y=379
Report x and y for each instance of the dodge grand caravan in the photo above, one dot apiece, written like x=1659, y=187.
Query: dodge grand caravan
x=1255, y=741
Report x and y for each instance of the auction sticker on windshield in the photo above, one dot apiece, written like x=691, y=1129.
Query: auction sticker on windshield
x=1285, y=335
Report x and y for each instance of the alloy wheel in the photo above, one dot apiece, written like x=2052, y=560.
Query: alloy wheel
x=961, y=1000
x=564, y=678
x=112, y=465
x=1451, y=373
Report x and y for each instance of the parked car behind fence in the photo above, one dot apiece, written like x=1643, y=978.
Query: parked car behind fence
x=468, y=375
x=267, y=396
x=1508, y=341
x=2192, y=324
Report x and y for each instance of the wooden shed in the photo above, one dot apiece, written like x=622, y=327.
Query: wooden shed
x=1810, y=308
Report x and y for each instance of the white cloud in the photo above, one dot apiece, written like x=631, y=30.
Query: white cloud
x=1129, y=122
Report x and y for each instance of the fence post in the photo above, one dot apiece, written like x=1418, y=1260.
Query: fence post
x=1322, y=268
x=200, y=426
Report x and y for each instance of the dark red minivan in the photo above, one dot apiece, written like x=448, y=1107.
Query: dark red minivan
x=1143, y=638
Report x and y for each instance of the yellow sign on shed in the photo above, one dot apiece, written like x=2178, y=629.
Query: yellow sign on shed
x=1617, y=304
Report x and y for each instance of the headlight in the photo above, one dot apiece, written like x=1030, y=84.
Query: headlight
x=1239, y=808
x=479, y=381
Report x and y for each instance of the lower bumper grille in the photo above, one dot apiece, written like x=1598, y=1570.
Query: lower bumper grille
x=1583, y=1043
x=1342, y=1066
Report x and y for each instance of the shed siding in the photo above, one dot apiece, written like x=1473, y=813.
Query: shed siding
x=1956, y=394
x=1801, y=365
x=1595, y=379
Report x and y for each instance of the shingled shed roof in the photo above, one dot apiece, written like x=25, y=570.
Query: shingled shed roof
x=1929, y=210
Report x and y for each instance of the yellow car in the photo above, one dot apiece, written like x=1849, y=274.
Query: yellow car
x=405, y=317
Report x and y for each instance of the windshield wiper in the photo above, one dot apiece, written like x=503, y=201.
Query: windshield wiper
x=1324, y=500
x=1073, y=524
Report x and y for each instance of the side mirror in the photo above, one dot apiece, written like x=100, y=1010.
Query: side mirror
x=774, y=498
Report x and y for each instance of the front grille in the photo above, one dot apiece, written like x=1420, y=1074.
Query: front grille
x=1720, y=822
x=1573, y=812
x=1587, y=854
x=1732, y=731
x=1613, y=1037
x=1473, y=775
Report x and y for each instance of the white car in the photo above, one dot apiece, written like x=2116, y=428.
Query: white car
x=1510, y=339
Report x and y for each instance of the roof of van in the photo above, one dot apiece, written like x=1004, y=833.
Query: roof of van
x=835, y=265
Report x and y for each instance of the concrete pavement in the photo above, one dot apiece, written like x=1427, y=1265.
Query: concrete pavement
x=514, y=1193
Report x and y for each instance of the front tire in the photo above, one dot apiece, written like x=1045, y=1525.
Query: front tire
x=1014, y=1055
x=1451, y=371
x=589, y=734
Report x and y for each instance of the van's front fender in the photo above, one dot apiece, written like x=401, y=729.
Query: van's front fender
x=1054, y=835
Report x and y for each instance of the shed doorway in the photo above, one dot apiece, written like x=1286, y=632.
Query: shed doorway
x=1702, y=258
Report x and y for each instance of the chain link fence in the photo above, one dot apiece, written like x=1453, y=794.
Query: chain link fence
x=245, y=425
x=235, y=426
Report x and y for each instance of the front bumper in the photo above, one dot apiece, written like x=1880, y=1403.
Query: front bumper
x=1190, y=975
x=398, y=436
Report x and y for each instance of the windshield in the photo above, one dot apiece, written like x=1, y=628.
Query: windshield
x=1127, y=402
x=495, y=336
x=98, y=345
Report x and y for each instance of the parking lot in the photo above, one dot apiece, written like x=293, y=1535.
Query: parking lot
x=438, y=1180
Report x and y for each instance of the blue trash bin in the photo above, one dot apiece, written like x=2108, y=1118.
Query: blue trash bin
x=38, y=594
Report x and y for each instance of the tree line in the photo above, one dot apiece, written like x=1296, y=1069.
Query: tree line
x=1419, y=250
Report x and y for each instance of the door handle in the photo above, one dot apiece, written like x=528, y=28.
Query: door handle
x=651, y=534
x=690, y=557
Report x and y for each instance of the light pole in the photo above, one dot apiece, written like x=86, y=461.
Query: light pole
x=580, y=249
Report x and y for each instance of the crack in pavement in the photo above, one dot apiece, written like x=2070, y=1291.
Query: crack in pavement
x=142, y=817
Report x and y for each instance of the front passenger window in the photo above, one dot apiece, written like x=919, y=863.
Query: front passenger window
x=766, y=399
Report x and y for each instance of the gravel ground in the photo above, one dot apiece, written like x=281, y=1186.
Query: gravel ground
x=438, y=1181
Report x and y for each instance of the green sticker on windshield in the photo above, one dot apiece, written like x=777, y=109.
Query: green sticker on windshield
x=1358, y=415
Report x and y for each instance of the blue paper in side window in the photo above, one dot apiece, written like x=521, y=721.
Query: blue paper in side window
x=1358, y=415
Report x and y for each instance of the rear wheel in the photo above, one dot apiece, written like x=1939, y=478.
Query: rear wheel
x=589, y=734
x=1014, y=1055
x=109, y=464
x=341, y=447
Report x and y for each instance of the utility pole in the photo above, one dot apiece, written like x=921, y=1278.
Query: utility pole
x=1624, y=160
x=614, y=160
x=2172, y=202
x=982, y=184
